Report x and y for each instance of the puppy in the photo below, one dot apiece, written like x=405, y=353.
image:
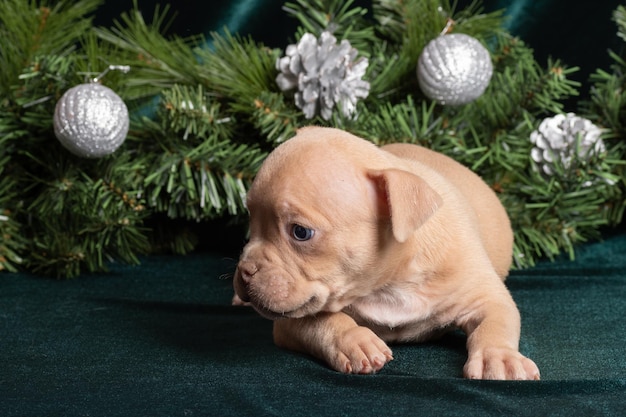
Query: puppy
x=354, y=246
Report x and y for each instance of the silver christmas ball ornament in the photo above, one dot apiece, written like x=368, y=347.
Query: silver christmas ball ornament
x=454, y=69
x=91, y=120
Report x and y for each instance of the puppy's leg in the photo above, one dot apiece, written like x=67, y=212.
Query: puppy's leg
x=336, y=339
x=493, y=332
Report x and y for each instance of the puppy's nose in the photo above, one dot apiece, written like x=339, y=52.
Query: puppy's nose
x=247, y=269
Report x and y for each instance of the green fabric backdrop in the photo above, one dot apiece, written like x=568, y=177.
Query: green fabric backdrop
x=162, y=340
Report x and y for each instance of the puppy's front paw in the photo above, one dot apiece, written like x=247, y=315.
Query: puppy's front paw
x=359, y=351
x=500, y=363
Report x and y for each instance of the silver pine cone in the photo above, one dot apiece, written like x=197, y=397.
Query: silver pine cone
x=567, y=140
x=326, y=74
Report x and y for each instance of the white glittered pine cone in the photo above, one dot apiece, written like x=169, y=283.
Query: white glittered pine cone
x=567, y=140
x=326, y=74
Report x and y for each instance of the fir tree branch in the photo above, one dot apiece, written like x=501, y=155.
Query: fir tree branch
x=193, y=168
x=619, y=17
x=192, y=110
x=608, y=98
x=79, y=222
x=156, y=61
x=238, y=70
x=274, y=119
x=12, y=243
x=56, y=28
x=341, y=18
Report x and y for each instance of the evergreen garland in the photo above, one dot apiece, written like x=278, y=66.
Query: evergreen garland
x=205, y=115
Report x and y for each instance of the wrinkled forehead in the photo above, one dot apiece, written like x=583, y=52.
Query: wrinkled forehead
x=310, y=175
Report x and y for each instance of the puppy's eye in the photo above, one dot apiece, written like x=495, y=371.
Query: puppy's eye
x=301, y=233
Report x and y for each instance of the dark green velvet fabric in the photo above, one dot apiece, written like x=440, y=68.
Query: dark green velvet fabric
x=162, y=340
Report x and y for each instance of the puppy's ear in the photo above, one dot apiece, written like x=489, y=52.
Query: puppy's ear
x=406, y=198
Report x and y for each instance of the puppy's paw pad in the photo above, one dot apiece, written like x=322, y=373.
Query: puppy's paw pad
x=500, y=364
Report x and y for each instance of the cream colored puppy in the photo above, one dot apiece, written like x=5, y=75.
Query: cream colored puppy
x=352, y=246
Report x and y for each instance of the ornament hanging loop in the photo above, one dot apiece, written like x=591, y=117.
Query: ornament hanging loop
x=448, y=28
x=123, y=68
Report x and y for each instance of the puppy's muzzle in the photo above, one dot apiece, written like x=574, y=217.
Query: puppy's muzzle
x=270, y=293
x=243, y=275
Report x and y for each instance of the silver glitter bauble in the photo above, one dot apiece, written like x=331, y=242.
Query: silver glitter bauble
x=91, y=120
x=325, y=73
x=454, y=69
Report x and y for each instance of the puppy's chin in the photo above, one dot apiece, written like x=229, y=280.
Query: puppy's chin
x=310, y=307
